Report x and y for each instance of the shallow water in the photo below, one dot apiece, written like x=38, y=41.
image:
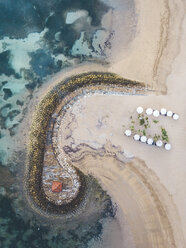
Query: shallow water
x=37, y=40
x=17, y=230
x=35, y=43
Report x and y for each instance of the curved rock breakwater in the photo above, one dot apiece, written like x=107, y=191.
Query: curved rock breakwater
x=40, y=143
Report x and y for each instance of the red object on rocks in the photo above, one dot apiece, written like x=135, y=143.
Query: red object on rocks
x=56, y=186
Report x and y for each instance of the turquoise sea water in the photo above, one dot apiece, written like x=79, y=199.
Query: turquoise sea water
x=37, y=40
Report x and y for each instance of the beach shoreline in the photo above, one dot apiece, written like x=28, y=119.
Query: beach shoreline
x=162, y=68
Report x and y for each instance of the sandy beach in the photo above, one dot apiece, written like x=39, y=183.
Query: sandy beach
x=147, y=184
x=100, y=127
x=157, y=36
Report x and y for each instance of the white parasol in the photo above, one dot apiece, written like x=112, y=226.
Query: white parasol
x=139, y=110
x=163, y=111
x=169, y=113
x=156, y=113
x=136, y=137
x=149, y=111
x=128, y=132
x=168, y=146
x=150, y=141
x=159, y=143
x=143, y=139
x=175, y=116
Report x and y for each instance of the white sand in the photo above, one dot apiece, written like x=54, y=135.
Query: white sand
x=73, y=16
x=143, y=60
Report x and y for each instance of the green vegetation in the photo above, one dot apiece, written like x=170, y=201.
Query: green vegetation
x=144, y=121
x=140, y=131
x=132, y=128
x=156, y=137
x=164, y=135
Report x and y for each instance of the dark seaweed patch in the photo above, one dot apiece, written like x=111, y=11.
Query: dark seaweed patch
x=13, y=227
x=2, y=84
x=31, y=86
x=42, y=63
x=19, y=103
x=13, y=130
x=7, y=93
x=15, y=232
x=6, y=106
x=5, y=66
x=19, y=18
x=8, y=114
x=3, y=114
x=12, y=114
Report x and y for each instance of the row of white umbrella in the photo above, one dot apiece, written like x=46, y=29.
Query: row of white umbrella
x=148, y=141
x=156, y=113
